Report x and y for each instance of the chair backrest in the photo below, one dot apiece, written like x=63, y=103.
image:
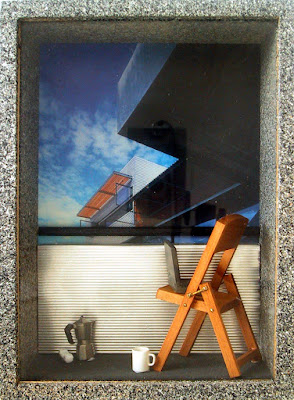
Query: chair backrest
x=225, y=236
x=172, y=264
x=228, y=232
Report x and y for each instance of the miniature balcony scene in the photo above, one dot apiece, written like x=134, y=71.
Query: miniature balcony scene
x=148, y=263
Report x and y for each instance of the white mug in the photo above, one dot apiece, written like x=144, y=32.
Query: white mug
x=141, y=359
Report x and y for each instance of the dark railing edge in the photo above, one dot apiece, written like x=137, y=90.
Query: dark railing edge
x=125, y=231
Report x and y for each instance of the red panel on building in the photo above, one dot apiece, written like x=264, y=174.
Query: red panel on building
x=106, y=191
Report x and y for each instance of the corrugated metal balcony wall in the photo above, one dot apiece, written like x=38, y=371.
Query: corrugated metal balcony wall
x=116, y=286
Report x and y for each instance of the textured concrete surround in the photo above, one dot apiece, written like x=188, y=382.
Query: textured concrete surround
x=268, y=23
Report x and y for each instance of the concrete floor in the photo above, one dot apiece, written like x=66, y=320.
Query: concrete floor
x=118, y=367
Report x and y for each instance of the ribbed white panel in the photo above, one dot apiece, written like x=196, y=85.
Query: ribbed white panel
x=126, y=220
x=142, y=172
x=116, y=286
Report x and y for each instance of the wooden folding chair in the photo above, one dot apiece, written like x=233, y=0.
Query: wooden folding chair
x=206, y=299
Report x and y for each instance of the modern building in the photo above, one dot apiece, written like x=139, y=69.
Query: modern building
x=114, y=202
x=200, y=105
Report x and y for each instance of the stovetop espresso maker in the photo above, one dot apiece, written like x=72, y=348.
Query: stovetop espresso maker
x=83, y=330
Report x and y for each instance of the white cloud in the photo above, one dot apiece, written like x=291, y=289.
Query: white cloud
x=78, y=151
x=47, y=104
x=58, y=211
x=100, y=138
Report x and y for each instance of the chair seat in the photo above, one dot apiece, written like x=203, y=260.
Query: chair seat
x=225, y=301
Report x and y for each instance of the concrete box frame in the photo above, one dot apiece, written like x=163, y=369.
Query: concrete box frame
x=270, y=25
x=31, y=36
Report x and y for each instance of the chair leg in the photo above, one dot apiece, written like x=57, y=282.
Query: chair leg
x=220, y=332
x=171, y=337
x=242, y=318
x=192, y=333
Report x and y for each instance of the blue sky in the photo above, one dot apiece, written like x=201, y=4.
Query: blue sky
x=78, y=142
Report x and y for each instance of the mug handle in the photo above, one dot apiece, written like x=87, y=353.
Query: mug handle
x=153, y=360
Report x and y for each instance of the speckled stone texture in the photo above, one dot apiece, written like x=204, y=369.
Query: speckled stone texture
x=268, y=178
x=277, y=189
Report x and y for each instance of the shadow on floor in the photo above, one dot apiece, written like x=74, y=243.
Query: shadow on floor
x=118, y=367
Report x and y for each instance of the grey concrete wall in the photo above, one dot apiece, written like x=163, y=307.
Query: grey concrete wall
x=28, y=201
x=268, y=194
x=277, y=214
x=32, y=35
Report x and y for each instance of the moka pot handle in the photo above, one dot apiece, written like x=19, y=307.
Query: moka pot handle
x=67, y=331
